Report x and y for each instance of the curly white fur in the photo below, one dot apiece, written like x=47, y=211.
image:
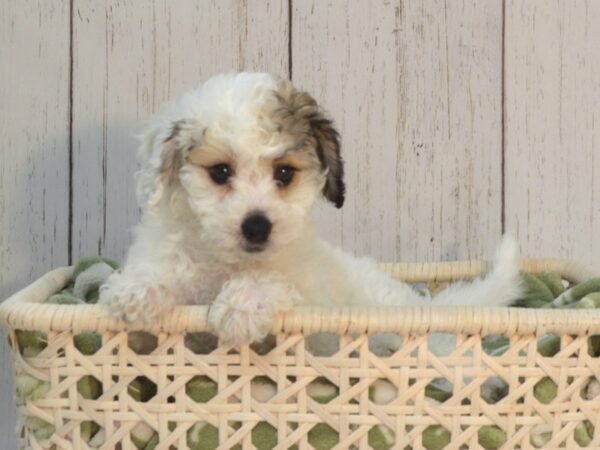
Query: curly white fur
x=189, y=248
x=246, y=304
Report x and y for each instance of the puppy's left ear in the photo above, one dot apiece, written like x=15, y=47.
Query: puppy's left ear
x=161, y=158
x=328, y=151
x=171, y=156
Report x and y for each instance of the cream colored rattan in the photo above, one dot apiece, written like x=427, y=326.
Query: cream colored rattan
x=353, y=369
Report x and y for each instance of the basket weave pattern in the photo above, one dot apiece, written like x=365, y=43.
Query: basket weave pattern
x=353, y=369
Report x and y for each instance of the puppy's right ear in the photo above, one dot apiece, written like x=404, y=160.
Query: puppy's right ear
x=300, y=107
x=161, y=158
x=328, y=151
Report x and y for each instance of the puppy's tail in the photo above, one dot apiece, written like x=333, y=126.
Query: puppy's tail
x=501, y=287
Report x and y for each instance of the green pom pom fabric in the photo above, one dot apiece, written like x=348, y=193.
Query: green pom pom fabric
x=64, y=298
x=495, y=345
x=201, y=389
x=323, y=437
x=491, y=437
x=435, y=437
x=545, y=390
x=537, y=294
x=31, y=343
x=590, y=301
x=30, y=388
x=89, y=387
x=553, y=282
x=540, y=435
x=41, y=429
x=92, y=297
x=88, y=430
x=142, y=389
x=437, y=390
x=584, y=433
x=577, y=292
x=264, y=436
x=87, y=342
x=548, y=345
x=144, y=437
x=150, y=445
x=88, y=261
x=322, y=390
x=381, y=438
x=203, y=436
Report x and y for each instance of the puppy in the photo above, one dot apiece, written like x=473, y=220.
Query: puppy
x=229, y=176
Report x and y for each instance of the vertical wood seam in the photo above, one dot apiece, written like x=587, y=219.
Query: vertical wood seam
x=448, y=112
x=503, y=122
x=107, y=34
x=70, y=138
x=290, y=39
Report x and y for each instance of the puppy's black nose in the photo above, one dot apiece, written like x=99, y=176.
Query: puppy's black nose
x=256, y=228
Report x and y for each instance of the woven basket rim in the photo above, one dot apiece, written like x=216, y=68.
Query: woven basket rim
x=24, y=310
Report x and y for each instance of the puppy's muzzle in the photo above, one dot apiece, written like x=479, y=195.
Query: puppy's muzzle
x=256, y=229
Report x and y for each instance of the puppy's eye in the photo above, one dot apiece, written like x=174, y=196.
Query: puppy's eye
x=284, y=175
x=220, y=173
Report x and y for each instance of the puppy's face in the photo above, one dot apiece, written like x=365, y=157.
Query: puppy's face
x=251, y=164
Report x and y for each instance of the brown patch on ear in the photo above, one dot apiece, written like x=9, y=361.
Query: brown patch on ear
x=172, y=159
x=171, y=162
x=328, y=151
x=300, y=115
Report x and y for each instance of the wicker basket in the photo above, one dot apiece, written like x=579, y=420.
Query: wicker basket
x=234, y=412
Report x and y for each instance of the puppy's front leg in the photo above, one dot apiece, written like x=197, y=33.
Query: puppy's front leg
x=139, y=296
x=243, y=311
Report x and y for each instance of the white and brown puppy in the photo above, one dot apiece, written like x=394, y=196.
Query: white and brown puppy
x=229, y=176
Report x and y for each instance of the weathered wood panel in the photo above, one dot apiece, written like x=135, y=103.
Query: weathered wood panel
x=34, y=157
x=416, y=90
x=552, y=120
x=131, y=57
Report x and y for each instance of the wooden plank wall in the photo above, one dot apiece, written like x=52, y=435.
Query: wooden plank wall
x=552, y=127
x=460, y=120
x=34, y=157
x=416, y=88
x=128, y=60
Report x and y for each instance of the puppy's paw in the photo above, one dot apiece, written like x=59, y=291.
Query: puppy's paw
x=138, y=301
x=243, y=311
